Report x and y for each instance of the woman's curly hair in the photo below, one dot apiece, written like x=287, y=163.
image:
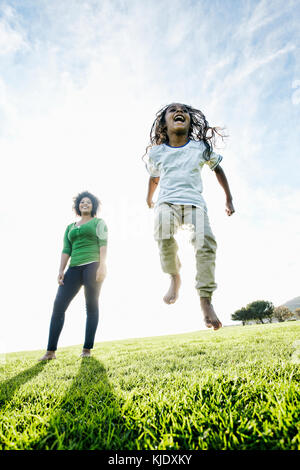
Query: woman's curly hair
x=95, y=202
x=199, y=129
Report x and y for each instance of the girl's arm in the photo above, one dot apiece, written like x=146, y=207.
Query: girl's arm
x=221, y=177
x=63, y=263
x=101, y=271
x=152, y=185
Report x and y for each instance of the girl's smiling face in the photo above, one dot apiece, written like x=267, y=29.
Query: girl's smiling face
x=177, y=119
x=85, y=206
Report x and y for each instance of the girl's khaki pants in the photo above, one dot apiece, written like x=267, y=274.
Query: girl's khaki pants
x=168, y=218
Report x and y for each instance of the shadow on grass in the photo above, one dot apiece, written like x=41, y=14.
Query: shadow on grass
x=89, y=416
x=8, y=388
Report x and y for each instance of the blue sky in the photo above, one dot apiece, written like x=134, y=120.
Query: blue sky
x=80, y=83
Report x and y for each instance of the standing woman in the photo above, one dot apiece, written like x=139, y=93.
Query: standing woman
x=85, y=242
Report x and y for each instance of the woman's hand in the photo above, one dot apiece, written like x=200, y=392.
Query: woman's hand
x=60, y=278
x=101, y=272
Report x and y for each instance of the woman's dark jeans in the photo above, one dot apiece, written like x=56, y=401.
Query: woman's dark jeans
x=75, y=277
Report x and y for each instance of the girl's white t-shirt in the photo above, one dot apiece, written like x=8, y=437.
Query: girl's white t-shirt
x=179, y=169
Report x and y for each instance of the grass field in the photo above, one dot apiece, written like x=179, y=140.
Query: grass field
x=235, y=389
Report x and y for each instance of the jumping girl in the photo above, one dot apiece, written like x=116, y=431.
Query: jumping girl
x=181, y=142
x=85, y=243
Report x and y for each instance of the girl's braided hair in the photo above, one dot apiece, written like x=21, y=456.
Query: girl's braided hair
x=199, y=129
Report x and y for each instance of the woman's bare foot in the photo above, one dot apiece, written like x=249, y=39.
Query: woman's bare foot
x=85, y=353
x=210, y=317
x=48, y=356
x=172, y=294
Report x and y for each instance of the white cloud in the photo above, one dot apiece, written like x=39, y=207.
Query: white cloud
x=12, y=38
x=264, y=13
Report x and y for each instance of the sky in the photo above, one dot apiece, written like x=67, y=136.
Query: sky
x=80, y=83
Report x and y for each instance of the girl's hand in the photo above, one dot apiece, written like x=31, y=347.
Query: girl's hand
x=60, y=278
x=229, y=208
x=150, y=203
x=101, y=273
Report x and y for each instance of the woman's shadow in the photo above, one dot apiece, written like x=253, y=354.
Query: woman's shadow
x=8, y=388
x=89, y=416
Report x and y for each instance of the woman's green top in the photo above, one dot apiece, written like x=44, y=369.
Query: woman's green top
x=83, y=243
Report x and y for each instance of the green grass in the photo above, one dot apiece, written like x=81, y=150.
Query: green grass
x=234, y=389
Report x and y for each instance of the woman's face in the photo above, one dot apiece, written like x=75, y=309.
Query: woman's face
x=177, y=119
x=85, y=206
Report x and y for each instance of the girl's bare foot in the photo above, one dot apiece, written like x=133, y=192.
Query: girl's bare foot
x=210, y=317
x=85, y=353
x=48, y=356
x=172, y=294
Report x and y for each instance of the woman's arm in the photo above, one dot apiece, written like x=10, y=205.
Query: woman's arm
x=152, y=185
x=221, y=177
x=101, y=271
x=63, y=263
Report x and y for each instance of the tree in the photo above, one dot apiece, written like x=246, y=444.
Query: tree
x=257, y=310
x=260, y=309
x=282, y=313
x=240, y=315
x=297, y=313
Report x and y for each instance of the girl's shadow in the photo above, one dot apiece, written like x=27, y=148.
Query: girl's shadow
x=89, y=415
